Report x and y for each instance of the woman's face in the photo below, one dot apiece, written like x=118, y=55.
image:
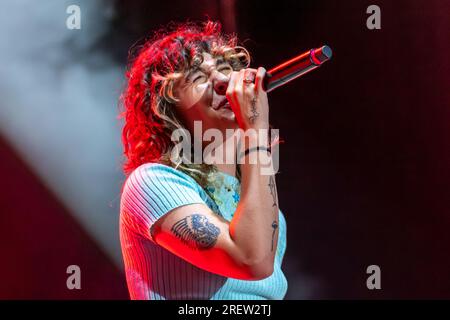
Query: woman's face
x=202, y=95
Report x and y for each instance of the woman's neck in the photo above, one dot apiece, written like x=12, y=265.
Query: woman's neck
x=228, y=165
x=229, y=169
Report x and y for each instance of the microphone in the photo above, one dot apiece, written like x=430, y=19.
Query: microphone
x=296, y=67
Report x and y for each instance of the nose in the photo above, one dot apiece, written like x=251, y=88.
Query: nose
x=221, y=83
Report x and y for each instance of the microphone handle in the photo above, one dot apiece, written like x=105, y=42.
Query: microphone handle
x=296, y=67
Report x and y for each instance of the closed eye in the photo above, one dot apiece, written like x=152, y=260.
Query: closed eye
x=198, y=77
x=227, y=69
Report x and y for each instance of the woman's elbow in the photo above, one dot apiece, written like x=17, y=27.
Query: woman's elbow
x=261, y=273
x=260, y=269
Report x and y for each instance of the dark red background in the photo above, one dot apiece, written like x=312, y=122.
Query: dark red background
x=364, y=174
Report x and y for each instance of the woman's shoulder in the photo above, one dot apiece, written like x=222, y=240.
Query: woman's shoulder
x=155, y=168
x=154, y=173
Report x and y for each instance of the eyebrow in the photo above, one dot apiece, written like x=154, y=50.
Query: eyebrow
x=219, y=61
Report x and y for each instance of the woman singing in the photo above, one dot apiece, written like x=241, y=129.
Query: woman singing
x=190, y=229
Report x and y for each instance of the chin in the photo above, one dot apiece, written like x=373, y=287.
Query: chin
x=221, y=119
x=227, y=118
x=229, y=123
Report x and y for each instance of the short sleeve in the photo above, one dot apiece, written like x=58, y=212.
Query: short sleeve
x=283, y=234
x=151, y=191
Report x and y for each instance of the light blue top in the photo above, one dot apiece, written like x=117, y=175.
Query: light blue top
x=153, y=272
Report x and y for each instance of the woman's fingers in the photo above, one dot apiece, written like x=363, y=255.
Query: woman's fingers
x=230, y=89
x=249, y=79
x=239, y=89
x=260, y=73
x=247, y=98
x=249, y=76
x=235, y=92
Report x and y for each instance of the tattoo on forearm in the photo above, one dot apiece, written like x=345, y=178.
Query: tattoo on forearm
x=275, y=227
x=255, y=114
x=196, y=232
x=273, y=191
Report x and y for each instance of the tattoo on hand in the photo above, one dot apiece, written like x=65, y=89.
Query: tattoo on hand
x=196, y=232
x=255, y=113
x=274, y=226
x=273, y=191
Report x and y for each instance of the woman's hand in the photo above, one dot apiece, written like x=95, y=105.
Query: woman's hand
x=247, y=98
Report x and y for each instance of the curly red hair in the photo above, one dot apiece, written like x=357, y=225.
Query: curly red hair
x=148, y=101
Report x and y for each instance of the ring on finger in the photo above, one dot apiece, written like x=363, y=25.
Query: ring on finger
x=249, y=78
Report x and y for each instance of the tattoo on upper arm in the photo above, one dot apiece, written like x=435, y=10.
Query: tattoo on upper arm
x=196, y=232
x=273, y=191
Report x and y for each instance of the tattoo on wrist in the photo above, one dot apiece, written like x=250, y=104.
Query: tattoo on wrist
x=255, y=113
x=196, y=232
x=273, y=191
x=275, y=227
